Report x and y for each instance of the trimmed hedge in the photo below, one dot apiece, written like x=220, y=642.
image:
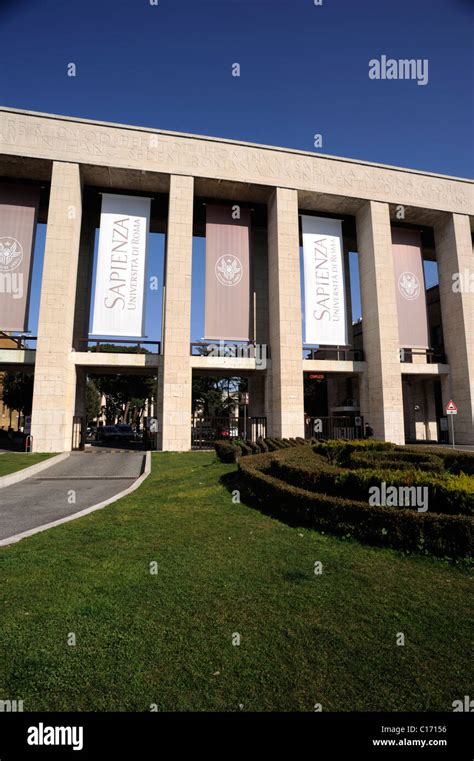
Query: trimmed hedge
x=399, y=528
x=227, y=451
x=254, y=448
x=231, y=451
x=272, y=446
x=455, y=461
x=396, y=459
x=340, y=451
x=459, y=462
x=447, y=493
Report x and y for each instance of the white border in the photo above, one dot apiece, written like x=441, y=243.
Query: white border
x=86, y=511
x=32, y=470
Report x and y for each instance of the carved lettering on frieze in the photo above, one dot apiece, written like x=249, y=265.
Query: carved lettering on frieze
x=79, y=141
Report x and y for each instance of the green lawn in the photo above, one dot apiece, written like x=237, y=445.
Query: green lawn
x=224, y=568
x=10, y=462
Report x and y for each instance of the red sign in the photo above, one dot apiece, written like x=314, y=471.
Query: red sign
x=316, y=376
x=451, y=408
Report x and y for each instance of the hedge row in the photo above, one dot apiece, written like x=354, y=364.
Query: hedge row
x=357, y=453
x=438, y=534
x=231, y=451
x=397, y=460
x=451, y=494
x=454, y=460
x=339, y=451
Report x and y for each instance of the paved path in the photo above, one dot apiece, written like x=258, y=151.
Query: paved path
x=41, y=499
x=461, y=447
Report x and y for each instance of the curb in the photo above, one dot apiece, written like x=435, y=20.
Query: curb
x=21, y=475
x=87, y=510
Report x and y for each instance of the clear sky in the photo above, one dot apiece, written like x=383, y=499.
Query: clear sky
x=304, y=71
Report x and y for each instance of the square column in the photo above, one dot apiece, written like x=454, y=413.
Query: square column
x=380, y=323
x=454, y=254
x=84, y=282
x=55, y=375
x=256, y=386
x=285, y=393
x=175, y=378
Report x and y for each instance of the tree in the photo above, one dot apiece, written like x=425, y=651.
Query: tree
x=18, y=392
x=125, y=395
x=92, y=400
x=216, y=397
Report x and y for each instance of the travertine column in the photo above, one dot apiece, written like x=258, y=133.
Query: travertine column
x=286, y=397
x=364, y=397
x=256, y=386
x=348, y=294
x=55, y=375
x=259, y=263
x=84, y=283
x=175, y=379
x=454, y=255
x=82, y=307
x=430, y=406
x=380, y=322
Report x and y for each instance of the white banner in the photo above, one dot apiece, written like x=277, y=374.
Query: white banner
x=324, y=288
x=119, y=300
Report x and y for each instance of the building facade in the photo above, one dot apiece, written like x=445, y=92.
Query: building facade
x=401, y=394
x=9, y=419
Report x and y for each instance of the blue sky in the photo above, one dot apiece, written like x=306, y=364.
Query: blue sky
x=304, y=70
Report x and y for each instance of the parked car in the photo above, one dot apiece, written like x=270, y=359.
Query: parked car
x=107, y=434
x=126, y=432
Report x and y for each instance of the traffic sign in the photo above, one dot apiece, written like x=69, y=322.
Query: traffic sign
x=451, y=409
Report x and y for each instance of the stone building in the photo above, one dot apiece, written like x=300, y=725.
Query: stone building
x=74, y=160
x=8, y=418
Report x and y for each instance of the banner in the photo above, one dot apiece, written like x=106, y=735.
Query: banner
x=410, y=288
x=18, y=217
x=227, y=310
x=119, y=299
x=324, y=289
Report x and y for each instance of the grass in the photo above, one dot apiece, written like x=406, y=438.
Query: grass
x=224, y=568
x=10, y=462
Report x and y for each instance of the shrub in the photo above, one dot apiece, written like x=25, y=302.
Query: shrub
x=444, y=535
x=396, y=459
x=340, y=451
x=253, y=446
x=230, y=451
x=280, y=444
x=227, y=451
x=454, y=460
x=450, y=494
x=460, y=462
x=272, y=446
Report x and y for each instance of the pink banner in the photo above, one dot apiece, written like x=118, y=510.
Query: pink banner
x=227, y=311
x=410, y=288
x=18, y=216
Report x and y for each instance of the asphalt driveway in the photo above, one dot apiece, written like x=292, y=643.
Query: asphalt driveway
x=82, y=480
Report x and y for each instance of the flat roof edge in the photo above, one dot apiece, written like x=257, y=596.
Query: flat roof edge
x=228, y=141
